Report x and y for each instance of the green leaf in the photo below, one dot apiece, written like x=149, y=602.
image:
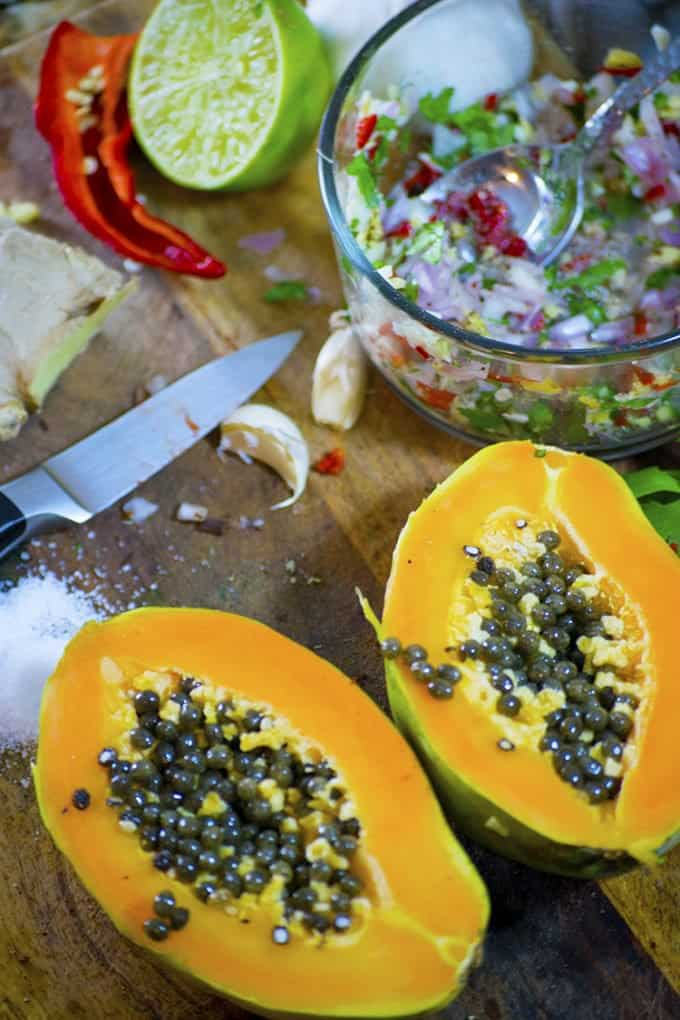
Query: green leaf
x=623, y=206
x=429, y=242
x=662, y=277
x=650, y=481
x=540, y=416
x=665, y=517
x=589, y=307
x=386, y=123
x=435, y=108
x=362, y=170
x=598, y=273
x=287, y=290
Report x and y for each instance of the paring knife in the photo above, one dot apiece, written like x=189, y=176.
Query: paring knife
x=89, y=476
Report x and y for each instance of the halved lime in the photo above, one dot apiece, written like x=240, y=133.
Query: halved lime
x=227, y=93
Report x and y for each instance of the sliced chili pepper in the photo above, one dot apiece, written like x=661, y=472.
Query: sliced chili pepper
x=422, y=352
x=332, y=463
x=439, y=399
x=90, y=166
x=365, y=129
x=491, y=101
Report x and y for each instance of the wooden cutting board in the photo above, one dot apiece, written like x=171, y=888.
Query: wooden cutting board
x=556, y=949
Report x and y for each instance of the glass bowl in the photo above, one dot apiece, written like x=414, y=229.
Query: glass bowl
x=610, y=401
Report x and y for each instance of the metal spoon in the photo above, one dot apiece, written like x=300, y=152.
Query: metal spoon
x=542, y=185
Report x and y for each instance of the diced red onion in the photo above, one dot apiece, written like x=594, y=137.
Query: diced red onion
x=399, y=211
x=263, y=243
x=614, y=332
x=670, y=235
x=566, y=330
x=645, y=160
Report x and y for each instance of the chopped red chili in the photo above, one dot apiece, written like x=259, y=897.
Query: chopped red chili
x=670, y=127
x=491, y=101
x=331, y=463
x=403, y=229
x=623, y=72
x=513, y=245
x=422, y=352
x=440, y=399
x=640, y=324
x=365, y=129
x=656, y=191
x=424, y=176
x=84, y=118
x=643, y=375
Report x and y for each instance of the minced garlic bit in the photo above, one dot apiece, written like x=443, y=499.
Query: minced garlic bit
x=19, y=212
x=191, y=512
x=90, y=165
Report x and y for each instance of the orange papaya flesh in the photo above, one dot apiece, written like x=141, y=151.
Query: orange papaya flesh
x=418, y=918
x=497, y=778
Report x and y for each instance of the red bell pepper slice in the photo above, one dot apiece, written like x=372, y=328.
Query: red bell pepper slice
x=103, y=200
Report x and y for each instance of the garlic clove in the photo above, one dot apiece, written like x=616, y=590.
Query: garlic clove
x=259, y=432
x=340, y=375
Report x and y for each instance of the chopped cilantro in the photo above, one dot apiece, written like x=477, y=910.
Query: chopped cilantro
x=428, y=242
x=588, y=306
x=598, y=273
x=405, y=140
x=435, y=108
x=381, y=154
x=675, y=77
x=660, y=101
x=662, y=277
x=483, y=128
x=540, y=452
x=540, y=416
x=362, y=170
x=623, y=206
x=410, y=291
x=386, y=123
x=287, y=290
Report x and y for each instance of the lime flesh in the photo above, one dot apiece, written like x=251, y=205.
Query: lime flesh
x=227, y=93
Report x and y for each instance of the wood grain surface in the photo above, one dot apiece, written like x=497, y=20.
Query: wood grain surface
x=556, y=948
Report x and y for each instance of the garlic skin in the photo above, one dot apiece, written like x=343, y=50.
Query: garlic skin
x=259, y=432
x=340, y=375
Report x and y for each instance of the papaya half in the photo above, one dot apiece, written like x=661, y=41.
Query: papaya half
x=528, y=634
x=242, y=809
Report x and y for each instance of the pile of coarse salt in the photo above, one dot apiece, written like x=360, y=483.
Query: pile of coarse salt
x=38, y=617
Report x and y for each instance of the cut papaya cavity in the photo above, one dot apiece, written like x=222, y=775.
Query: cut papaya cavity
x=238, y=807
x=528, y=639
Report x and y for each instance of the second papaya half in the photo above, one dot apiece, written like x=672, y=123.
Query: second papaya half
x=529, y=635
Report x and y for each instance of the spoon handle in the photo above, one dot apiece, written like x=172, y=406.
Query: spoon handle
x=608, y=116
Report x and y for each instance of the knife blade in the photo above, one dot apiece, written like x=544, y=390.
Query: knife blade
x=95, y=472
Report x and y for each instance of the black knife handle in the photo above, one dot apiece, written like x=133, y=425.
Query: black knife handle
x=12, y=525
x=33, y=503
